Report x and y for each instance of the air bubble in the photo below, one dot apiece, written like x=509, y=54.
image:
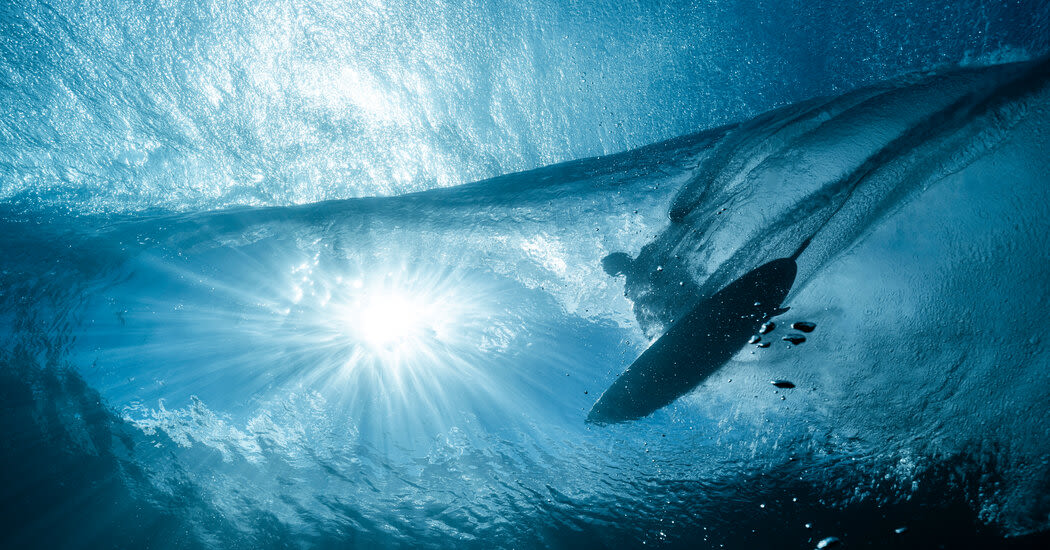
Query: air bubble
x=804, y=326
x=829, y=542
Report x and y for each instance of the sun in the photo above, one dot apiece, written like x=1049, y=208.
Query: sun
x=399, y=318
x=395, y=320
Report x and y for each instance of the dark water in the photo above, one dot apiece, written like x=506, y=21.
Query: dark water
x=227, y=320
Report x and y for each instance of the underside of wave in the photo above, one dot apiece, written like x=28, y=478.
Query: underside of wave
x=160, y=345
x=927, y=206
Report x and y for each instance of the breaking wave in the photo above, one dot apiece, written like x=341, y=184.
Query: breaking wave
x=197, y=353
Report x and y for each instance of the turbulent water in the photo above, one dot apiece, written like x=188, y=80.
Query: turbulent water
x=197, y=353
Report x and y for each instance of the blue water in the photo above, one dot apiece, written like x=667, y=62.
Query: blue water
x=330, y=274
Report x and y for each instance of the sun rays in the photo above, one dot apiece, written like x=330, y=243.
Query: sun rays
x=388, y=339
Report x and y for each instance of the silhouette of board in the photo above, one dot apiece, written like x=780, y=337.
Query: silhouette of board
x=698, y=344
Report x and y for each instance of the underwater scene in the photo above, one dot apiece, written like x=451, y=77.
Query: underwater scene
x=725, y=274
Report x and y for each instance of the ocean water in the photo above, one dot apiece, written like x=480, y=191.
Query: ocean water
x=353, y=274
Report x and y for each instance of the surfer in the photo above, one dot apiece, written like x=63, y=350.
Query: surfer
x=699, y=343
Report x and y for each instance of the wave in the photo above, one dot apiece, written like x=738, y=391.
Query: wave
x=417, y=369
x=180, y=107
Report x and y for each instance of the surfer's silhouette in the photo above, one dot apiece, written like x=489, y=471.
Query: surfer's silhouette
x=699, y=343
